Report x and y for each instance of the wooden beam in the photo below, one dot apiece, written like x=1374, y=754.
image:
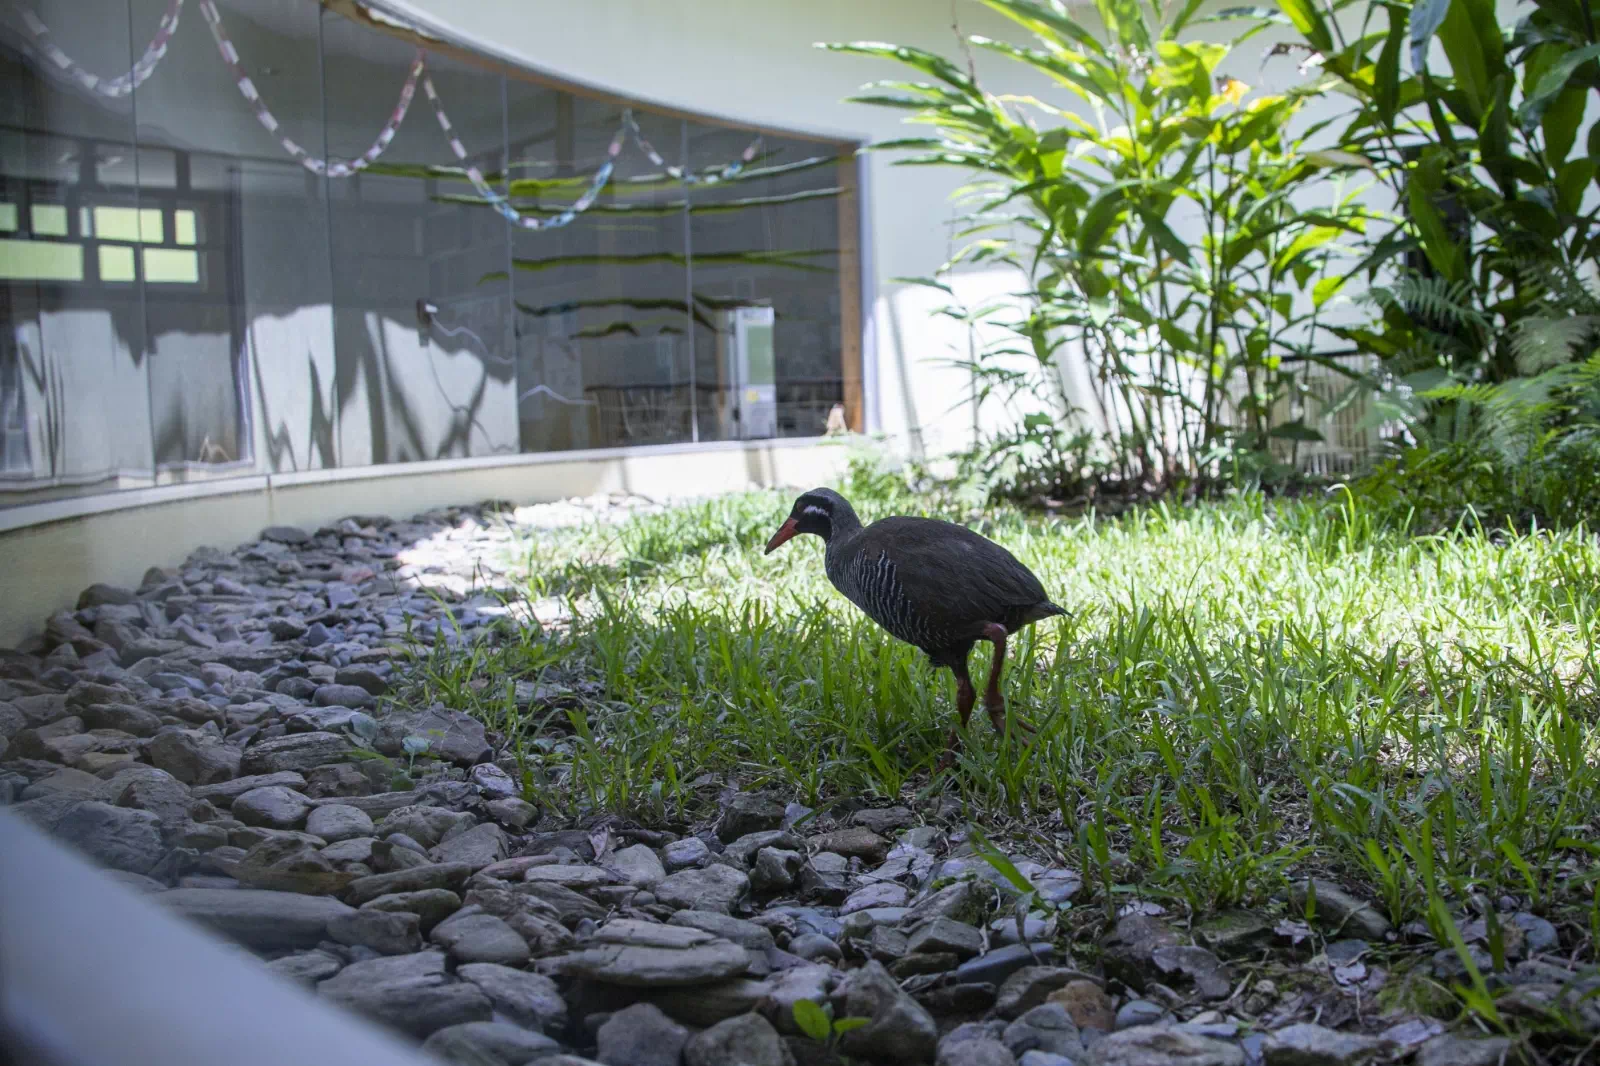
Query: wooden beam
x=850, y=223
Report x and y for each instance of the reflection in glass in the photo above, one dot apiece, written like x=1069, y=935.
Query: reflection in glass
x=410, y=385
x=600, y=301
x=183, y=295
x=769, y=274
x=74, y=358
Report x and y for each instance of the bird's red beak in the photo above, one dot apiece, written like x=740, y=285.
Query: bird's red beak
x=783, y=535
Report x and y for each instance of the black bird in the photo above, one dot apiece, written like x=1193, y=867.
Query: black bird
x=930, y=583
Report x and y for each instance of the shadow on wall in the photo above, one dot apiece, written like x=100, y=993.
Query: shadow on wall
x=370, y=388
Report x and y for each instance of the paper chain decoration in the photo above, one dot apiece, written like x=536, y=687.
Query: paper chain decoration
x=112, y=87
x=125, y=84
x=333, y=168
x=500, y=203
x=727, y=173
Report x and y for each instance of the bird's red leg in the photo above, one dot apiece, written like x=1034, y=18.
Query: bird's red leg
x=993, y=702
x=966, y=696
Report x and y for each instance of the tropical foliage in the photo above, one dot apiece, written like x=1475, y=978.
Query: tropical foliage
x=1157, y=209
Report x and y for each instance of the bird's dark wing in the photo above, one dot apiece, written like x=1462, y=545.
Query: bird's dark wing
x=957, y=579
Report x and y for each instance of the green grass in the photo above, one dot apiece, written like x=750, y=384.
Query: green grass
x=1243, y=691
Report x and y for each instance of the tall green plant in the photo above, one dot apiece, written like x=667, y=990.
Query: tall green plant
x=1484, y=281
x=1153, y=214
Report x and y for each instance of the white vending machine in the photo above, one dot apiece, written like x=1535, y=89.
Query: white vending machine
x=749, y=392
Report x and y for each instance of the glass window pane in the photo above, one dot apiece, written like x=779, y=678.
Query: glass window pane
x=116, y=263
x=246, y=319
x=74, y=366
x=602, y=301
x=49, y=220
x=40, y=261
x=167, y=259
x=117, y=223
x=765, y=240
x=166, y=266
x=442, y=383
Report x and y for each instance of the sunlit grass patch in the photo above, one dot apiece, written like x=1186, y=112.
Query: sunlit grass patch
x=1243, y=691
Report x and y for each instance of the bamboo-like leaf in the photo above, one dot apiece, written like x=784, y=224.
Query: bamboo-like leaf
x=1099, y=218
x=1178, y=22
x=1164, y=238
x=1426, y=181
x=1551, y=84
x=1572, y=179
x=1309, y=21
x=1561, y=122
x=1471, y=40
x=1338, y=157
x=1047, y=23
x=1325, y=289
x=1254, y=14
x=1386, y=78
x=1494, y=138
x=1125, y=19
x=929, y=63
x=1086, y=80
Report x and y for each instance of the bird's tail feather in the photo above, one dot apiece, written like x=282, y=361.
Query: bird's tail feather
x=1043, y=610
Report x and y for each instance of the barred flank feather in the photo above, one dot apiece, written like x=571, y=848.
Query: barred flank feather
x=932, y=584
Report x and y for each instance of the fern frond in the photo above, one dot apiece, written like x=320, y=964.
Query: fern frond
x=1560, y=288
x=1540, y=342
x=1432, y=298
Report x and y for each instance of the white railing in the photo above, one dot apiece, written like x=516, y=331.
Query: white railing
x=92, y=973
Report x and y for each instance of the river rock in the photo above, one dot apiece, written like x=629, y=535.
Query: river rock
x=257, y=918
x=748, y=1039
x=1339, y=911
x=339, y=821
x=430, y=905
x=411, y=993
x=447, y=875
x=900, y=1030
x=1044, y=1028
x=1156, y=1045
x=452, y=736
x=480, y=937
x=480, y=846
x=299, y=752
x=1316, y=1045
x=529, y=999
x=386, y=932
x=749, y=812
x=644, y=955
x=489, y=1044
x=194, y=756
x=640, y=1035
x=711, y=888
x=427, y=825
x=274, y=807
